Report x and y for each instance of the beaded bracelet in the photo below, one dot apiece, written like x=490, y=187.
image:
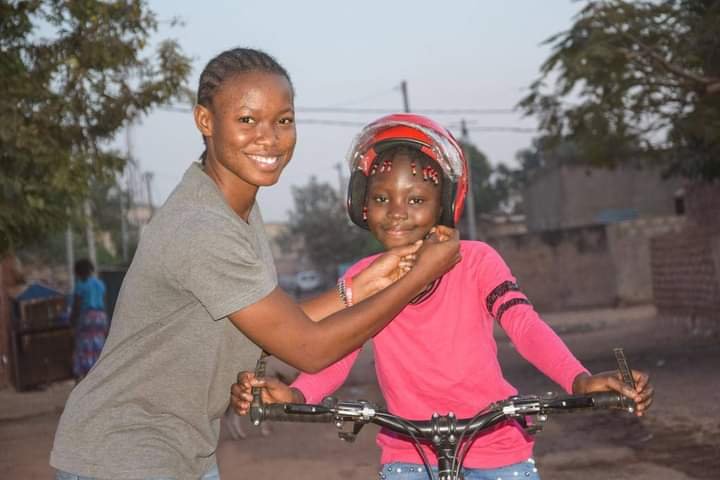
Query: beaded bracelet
x=341, y=290
x=348, y=292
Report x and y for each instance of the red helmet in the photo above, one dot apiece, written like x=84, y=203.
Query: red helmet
x=415, y=131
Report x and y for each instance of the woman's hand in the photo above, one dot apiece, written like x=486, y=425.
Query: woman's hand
x=384, y=270
x=273, y=391
x=602, y=382
x=439, y=253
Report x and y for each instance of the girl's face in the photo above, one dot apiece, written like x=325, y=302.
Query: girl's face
x=401, y=207
x=250, y=127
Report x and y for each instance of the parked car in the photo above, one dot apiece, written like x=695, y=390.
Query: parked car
x=307, y=281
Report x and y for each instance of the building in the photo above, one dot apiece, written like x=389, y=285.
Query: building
x=571, y=196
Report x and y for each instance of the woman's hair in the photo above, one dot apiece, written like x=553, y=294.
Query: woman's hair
x=233, y=62
x=228, y=64
x=84, y=268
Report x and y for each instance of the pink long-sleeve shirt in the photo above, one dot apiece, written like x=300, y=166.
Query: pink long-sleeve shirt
x=441, y=356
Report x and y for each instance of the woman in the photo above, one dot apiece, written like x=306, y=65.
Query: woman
x=201, y=295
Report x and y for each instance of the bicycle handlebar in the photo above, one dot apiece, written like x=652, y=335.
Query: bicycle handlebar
x=333, y=411
x=450, y=437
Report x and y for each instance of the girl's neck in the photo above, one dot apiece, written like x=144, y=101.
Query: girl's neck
x=239, y=195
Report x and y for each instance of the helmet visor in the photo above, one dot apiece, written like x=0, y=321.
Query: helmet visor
x=446, y=152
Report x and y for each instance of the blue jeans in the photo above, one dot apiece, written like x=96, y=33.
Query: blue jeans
x=212, y=474
x=412, y=471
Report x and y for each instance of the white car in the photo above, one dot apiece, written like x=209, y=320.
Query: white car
x=308, y=280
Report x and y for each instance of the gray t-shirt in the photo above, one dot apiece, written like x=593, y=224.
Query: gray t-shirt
x=151, y=405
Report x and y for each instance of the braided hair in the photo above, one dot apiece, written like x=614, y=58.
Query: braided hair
x=230, y=63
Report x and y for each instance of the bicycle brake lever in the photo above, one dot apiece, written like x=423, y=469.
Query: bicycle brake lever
x=257, y=410
x=349, y=436
x=627, y=377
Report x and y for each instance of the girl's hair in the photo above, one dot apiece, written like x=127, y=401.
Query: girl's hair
x=84, y=268
x=418, y=158
x=233, y=62
x=230, y=63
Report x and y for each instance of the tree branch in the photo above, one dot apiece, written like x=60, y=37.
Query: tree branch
x=711, y=84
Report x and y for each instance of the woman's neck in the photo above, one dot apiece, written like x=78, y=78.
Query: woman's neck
x=238, y=194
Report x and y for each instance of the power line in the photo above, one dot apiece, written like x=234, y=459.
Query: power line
x=358, y=123
x=429, y=111
x=362, y=110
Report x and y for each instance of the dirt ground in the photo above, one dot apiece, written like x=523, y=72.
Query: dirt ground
x=679, y=440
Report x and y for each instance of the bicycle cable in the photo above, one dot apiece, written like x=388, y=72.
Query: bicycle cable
x=416, y=443
x=461, y=450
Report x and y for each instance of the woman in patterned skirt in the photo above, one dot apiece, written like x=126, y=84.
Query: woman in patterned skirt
x=88, y=317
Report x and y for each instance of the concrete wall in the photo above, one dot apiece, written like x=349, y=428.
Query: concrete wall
x=629, y=244
x=572, y=196
x=562, y=269
x=583, y=267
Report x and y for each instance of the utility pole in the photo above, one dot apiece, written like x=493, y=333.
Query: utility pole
x=470, y=199
x=90, y=233
x=124, y=207
x=123, y=225
x=406, y=102
x=341, y=180
x=70, y=255
x=148, y=176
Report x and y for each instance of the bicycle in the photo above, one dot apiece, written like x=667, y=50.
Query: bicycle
x=449, y=437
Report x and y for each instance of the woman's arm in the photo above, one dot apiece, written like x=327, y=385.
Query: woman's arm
x=277, y=324
x=383, y=271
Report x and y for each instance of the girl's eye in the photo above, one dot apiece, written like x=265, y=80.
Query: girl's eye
x=380, y=199
x=246, y=120
x=287, y=121
x=416, y=201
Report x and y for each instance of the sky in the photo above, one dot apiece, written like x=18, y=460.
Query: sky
x=457, y=54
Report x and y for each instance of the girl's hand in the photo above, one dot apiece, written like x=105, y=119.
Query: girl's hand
x=273, y=391
x=602, y=382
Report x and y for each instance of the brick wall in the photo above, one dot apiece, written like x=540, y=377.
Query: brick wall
x=686, y=265
x=629, y=243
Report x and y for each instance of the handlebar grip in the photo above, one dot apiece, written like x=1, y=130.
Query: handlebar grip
x=257, y=409
x=612, y=400
x=283, y=412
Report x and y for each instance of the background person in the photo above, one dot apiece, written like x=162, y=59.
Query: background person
x=88, y=318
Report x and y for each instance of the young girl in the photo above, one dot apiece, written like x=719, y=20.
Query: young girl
x=408, y=175
x=88, y=318
x=201, y=296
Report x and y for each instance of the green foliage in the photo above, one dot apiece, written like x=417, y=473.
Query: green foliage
x=71, y=74
x=489, y=190
x=636, y=80
x=320, y=219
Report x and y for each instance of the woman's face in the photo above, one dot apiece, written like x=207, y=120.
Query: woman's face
x=250, y=128
x=401, y=207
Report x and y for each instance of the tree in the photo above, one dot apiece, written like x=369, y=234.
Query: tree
x=320, y=220
x=636, y=81
x=489, y=193
x=72, y=73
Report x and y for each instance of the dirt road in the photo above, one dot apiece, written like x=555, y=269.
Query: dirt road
x=680, y=440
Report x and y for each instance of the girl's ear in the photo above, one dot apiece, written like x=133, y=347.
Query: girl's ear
x=203, y=120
